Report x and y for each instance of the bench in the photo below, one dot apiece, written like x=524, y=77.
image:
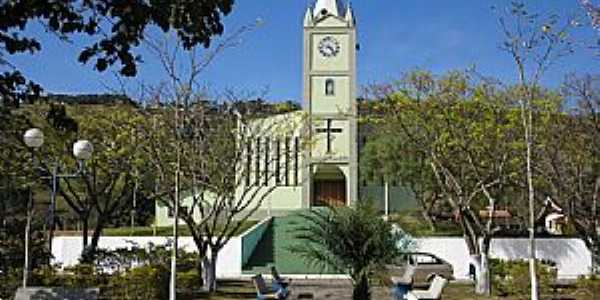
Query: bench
x=434, y=292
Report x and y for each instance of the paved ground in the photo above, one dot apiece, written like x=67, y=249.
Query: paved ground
x=337, y=289
x=331, y=290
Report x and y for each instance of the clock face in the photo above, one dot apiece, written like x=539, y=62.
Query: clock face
x=329, y=46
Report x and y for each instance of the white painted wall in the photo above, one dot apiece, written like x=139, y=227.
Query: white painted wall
x=573, y=259
x=66, y=250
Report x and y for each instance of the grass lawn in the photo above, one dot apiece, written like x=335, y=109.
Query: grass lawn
x=232, y=290
x=465, y=292
x=149, y=231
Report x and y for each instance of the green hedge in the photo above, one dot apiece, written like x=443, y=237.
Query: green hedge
x=137, y=273
x=10, y=282
x=145, y=282
x=511, y=278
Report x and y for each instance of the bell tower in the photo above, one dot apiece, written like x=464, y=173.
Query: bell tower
x=330, y=101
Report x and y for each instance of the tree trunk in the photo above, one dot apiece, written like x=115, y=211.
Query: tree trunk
x=594, y=248
x=209, y=264
x=595, y=262
x=90, y=251
x=361, y=289
x=482, y=274
x=97, y=234
x=428, y=219
x=200, y=271
x=86, y=227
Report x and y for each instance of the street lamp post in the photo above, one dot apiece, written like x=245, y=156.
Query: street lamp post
x=33, y=138
x=82, y=150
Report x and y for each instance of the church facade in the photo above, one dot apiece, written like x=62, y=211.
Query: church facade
x=324, y=170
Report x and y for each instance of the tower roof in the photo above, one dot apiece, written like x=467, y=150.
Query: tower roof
x=328, y=7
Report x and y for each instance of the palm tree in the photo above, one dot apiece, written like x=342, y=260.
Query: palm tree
x=352, y=240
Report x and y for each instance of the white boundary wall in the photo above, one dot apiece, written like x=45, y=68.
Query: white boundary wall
x=572, y=257
x=66, y=250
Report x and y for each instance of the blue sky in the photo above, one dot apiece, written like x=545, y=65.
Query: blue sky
x=395, y=36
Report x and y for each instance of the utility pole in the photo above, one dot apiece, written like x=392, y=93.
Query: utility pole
x=173, y=283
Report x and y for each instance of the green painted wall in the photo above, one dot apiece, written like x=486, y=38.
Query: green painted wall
x=252, y=237
x=401, y=198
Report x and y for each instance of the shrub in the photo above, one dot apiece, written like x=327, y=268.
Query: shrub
x=511, y=278
x=145, y=282
x=589, y=285
x=81, y=276
x=354, y=240
x=189, y=280
x=123, y=259
x=9, y=282
x=133, y=273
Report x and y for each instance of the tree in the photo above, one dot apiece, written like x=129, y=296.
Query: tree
x=216, y=144
x=13, y=208
x=115, y=27
x=534, y=43
x=108, y=179
x=465, y=133
x=593, y=11
x=569, y=164
x=352, y=240
x=105, y=182
x=203, y=148
x=388, y=156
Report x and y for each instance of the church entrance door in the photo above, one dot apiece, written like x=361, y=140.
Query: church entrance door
x=329, y=187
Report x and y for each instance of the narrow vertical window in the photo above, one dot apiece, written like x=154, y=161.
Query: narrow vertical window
x=267, y=150
x=287, y=161
x=277, y=162
x=257, y=166
x=296, y=160
x=248, y=162
x=329, y=87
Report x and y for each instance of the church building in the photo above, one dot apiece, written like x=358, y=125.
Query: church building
x=324, y=171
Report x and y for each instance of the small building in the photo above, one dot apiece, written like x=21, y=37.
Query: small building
x=551, y=218
x=503, y=220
